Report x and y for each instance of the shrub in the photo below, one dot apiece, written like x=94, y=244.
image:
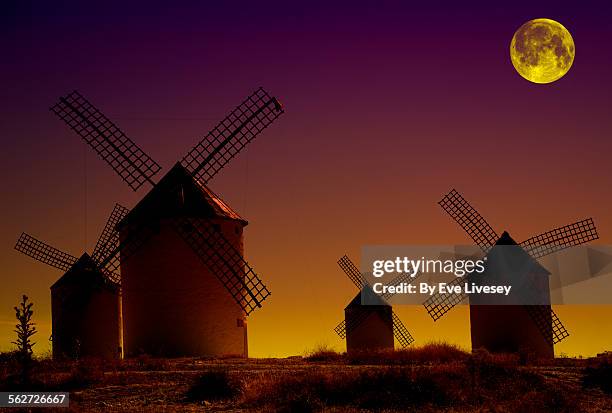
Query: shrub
x=599, y=375
x=431, y=353
x=24, y=329
x=84, y=374
x=323, y=353
x=213, y=385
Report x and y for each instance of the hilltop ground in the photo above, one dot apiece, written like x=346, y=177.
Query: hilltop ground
x=432, y=378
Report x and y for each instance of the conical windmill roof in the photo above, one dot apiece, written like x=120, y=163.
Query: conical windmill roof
x=179, y=194
x=519, y=257
x=84, y=273
x=372, y=298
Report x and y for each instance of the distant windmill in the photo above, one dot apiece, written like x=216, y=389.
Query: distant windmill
x=510, y=328
x=370, y=327
x=85, y=302
x=172, y=304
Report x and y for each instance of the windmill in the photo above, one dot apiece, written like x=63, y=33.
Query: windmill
x=175, y=302
x=85, y=301
x=370, y=326
x=510, y=328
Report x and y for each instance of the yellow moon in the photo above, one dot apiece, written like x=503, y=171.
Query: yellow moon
x=542, y=50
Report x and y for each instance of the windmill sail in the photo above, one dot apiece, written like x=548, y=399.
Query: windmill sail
x=561, y=238
x=401, y=332
x=548, y=323
x=109, y=238
x=231, y=135
x=469, y=219
x=224, y=261
x=110, y=143
x=352, y=272
x=45, y=253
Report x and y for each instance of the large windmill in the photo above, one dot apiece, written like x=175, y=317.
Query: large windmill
x=509, y=328
x=175, y=302
x=373, y=326
x=85, y=301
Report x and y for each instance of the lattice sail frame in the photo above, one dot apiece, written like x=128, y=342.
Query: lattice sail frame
x=469, y=219
x=44, y=253
x=107, y=140
x=228, y=265
x=561, y=238
x=400, y=331
x=109, y=238
x=548, y=323
x=231, y=135
x=481, y=232
x=352, y=272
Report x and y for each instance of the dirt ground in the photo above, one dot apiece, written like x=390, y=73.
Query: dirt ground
x=162, y=385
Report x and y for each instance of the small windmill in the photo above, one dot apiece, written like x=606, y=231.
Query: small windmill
x=370, y=326
x=172, y=304
x=85, y=301
x=509, y=328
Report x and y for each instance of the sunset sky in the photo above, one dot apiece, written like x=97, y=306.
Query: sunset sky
x=388, y=107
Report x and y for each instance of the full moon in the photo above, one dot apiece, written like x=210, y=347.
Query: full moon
x=542, y=50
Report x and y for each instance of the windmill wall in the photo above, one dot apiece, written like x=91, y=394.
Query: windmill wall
x=509, y=329
x=85, y=321
x=173, y=305
x=373, y=333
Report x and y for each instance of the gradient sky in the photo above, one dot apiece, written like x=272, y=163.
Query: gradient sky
x=388, y=106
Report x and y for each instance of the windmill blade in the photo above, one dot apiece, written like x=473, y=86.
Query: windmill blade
x=439, y=304
x=352, y=272
x=402, y=278
x=561, y=238
x=109, y=238
x=547, y=322
x=138, y=235
x=340, y=329
x=401, y=333
x=228, y=265
x=469, y=219
x=42, y=252
x=110, y=143
x=360, y=281
x=231, y=135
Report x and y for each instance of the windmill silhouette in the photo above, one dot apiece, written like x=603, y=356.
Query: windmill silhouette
x=510, y=328
x=372, y=326
x=172, y=304
x=85, y=301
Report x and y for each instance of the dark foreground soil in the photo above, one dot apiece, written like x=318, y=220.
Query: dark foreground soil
x=328, y=382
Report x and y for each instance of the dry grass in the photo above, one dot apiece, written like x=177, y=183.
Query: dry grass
x=467, y=383
x=431, y=353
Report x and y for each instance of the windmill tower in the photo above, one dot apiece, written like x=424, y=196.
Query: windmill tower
x=85, y=301
x=511, y=328
x=186, y=287
x=370, y=327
